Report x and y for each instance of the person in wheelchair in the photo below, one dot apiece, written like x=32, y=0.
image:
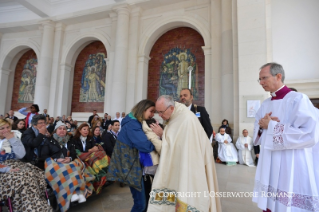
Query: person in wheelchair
x=22, y=182
x=64, y=172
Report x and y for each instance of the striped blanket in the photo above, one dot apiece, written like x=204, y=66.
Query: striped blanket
x=65, y=179
x=97, y=163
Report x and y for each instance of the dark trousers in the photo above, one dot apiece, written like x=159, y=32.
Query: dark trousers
x=148, y=179
x=215, y=149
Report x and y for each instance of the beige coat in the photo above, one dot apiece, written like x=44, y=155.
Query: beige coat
x=186, y=173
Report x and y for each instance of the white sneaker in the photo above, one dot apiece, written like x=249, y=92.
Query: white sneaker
x=82, y=198
x=75, y=198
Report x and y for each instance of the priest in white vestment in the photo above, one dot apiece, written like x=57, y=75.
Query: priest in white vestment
x=186, y=177
x=287, y=130
x=226, y=149
x=244, y=145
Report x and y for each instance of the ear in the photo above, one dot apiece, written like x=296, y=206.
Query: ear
x=279, y=76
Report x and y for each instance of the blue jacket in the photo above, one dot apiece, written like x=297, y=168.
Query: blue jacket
x=133, y=135
x=125, y=165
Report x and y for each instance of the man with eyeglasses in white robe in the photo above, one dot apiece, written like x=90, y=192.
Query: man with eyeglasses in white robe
x=287, y=130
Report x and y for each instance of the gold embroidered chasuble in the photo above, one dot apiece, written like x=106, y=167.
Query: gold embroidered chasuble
x=186, y=177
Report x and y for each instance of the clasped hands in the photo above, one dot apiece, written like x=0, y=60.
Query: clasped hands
x=156, y=128
x=263, y=123
x=64, y=160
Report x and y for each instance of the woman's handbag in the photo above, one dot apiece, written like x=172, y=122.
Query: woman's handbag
x=125, y=166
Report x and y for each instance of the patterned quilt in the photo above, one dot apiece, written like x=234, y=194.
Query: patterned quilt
x=65, y=179
x=97, y=163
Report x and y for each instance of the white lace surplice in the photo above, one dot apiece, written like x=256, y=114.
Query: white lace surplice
x=288, y=165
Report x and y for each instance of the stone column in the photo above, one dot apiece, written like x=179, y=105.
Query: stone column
x=109, y=72
x=64, y=89
x=4, y=78
x=208, y=76
x=227, y=62
x=118, y=100
x=215, y=82
x=107, y=81
x=141, y=78
x=132, y=59
x=57, y=52
x=42, y=86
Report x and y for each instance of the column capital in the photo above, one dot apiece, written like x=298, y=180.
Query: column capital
x=207, y=50
x=137, y=11
x=66, y=67
x=47, y=23
x=122, y=9
x=5, y=71
x=143, y=58
x=60, y=26
x=113, y=16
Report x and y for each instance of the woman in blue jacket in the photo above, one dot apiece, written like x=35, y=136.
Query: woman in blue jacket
x=125, y=164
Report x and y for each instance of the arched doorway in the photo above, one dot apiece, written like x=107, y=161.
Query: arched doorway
x=172, y=55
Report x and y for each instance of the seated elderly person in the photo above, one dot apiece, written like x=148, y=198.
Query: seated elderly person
x=59, y=147
x=23, y=183
x=226, y=150
x=33, y=138
x=244, y=145
x=58, y=151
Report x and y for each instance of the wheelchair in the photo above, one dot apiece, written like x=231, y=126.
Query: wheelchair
x=49, y=194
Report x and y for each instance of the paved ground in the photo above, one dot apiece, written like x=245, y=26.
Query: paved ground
x=237, y=178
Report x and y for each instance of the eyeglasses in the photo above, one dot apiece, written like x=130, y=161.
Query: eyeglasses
x=41, y=122
x=161, y=112
x=264, y=78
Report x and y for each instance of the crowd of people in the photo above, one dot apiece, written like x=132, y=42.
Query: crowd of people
x=162, y=163
x=42, y=146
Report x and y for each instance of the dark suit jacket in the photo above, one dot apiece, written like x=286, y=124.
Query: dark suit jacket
x=30, y=142
x=46, y=115
x=204, y=119
x=108, y=142
x=14, y=118
x=78, y=144
x=106, y=123
x=90, y=120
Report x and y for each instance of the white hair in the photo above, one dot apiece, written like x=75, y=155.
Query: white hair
x=168, y=100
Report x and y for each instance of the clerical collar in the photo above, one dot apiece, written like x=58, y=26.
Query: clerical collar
x=280, y=93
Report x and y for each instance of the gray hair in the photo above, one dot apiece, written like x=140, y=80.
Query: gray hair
x=36, y=118
x=275, y=69
x=168, y=100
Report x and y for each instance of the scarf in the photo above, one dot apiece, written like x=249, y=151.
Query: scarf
x=61, y=140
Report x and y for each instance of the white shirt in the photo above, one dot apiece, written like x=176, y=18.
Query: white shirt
x=1, y=141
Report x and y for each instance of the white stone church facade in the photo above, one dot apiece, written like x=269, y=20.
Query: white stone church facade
x=239, y=37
